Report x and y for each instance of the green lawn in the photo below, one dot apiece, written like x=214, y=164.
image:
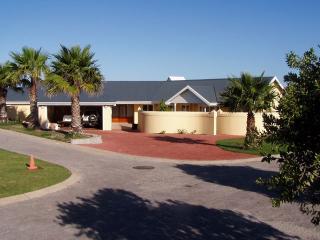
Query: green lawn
x=16, y=179
x=59, y=136
x=236, y=145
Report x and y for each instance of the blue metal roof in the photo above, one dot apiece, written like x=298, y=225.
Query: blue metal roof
x=153, y=91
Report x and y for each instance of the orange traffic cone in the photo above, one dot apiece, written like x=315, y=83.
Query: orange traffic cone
x=32, y=164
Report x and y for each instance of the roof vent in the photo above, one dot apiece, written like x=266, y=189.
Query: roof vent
x=176, y=78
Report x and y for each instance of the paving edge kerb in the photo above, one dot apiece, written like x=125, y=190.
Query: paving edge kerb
x=74, y=178
x=93, y=139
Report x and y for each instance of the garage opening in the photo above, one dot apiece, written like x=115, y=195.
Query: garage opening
x=91, y=116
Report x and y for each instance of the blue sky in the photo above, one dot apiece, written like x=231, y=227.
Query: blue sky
x=150, y=40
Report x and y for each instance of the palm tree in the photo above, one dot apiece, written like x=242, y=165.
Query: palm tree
x=73, y=71
x=5, y=82
x=29, y=66
x=249, y=94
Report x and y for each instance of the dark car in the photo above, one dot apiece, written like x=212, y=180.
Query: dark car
x=91, y=119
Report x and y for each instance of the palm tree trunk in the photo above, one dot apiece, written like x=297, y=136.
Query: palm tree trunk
x=250, y=129
x=3, y=105
x=76, y=117
x=33, y=96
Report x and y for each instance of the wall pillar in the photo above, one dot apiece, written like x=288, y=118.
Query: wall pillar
x=174, y=107
x=215, y=119
x=136, y=109
x=106, y=118
x=43, y=116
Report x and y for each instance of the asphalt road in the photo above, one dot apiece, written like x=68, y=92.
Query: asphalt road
x=175, y=200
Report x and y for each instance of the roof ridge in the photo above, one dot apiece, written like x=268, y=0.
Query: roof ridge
x=212, y=79
x=126, y=81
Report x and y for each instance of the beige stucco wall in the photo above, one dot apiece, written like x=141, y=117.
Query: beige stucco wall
x=170, y=122
x=18, y=112
x=204, y=123
x=235, y=123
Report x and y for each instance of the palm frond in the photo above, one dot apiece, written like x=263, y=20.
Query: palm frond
x=7, y=79
x=248, y=93
x=55, y=84
x=29, y=64
x=77, y=71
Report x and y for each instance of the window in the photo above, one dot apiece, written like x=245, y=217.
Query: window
x=147, y=108
x=185, y=108
x=203, y=109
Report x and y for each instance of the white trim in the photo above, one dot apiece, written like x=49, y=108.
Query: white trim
x=275, y=79
x=81, y=103
x=169, y=101
x=17, y=103
x=136, y=102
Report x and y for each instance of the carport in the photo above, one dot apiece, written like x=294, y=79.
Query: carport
x=53, y=112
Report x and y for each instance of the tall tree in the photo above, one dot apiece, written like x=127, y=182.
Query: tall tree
x=74, y=70
x=6, y=81
x=249, y=94
x=29, y=66
x=297, y=128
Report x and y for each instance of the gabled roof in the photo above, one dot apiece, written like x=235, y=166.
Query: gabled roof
x=276, y=80
x=140, y=91
x=194, y=92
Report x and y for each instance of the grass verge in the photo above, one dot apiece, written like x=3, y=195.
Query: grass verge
x=236, y=145
x=55, y=135
x=16, y=179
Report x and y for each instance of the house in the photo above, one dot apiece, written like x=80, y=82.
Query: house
x=121, y=101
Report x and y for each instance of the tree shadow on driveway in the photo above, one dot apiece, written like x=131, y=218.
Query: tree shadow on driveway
x=186, y=140
x=118, y=214
x=239, y=177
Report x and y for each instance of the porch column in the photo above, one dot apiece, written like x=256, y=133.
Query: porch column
x=106, y=118
x=174, y=107
x=43, y=116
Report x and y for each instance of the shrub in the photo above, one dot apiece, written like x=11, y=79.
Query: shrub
x=297, y=128
x=163, y=107
x=182, y=131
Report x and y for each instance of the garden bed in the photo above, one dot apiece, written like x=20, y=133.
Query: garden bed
x=61, y=135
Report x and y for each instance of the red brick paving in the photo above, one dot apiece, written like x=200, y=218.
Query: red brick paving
x=173, y=146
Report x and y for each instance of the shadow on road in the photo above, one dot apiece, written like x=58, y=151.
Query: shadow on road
x=118, y=214
x=240, y=177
